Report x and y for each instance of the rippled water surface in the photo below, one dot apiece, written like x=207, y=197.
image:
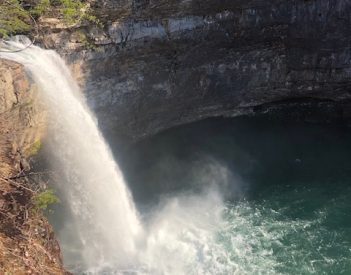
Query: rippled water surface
x=285, y=194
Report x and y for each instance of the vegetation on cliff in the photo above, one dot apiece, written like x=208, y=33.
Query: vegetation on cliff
x=34, y=148
x=13, y=18
x=42, y=200
x=18, y=16
x=27, y=240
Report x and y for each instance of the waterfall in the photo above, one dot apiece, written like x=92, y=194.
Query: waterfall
x=103, y=213
x=289, y=225
x=102, y=234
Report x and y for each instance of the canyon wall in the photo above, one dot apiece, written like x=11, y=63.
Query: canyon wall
x=151, y=65
x=155, y=64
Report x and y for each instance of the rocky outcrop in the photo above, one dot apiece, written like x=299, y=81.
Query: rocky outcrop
x=156, y=64
x=22, y=117
x=27, y=242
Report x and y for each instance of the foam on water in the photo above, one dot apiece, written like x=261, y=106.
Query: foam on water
x=186, y=233
x=104, y=227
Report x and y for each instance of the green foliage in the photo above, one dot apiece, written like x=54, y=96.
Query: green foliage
x=75, y=11
x=34, y=149
x=13, y=18
x=42, y=200
x=72, y=10
x=40, y=8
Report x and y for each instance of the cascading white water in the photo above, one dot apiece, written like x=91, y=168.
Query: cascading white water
x=104, y=234
x=186, y=233
x=103, y=212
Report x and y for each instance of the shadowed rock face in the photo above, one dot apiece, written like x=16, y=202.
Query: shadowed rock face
x=157, y=64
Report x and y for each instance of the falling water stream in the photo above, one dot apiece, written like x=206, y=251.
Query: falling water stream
x=197, y=215
x=104, y=218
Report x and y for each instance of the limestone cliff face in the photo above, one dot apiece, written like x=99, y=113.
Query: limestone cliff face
x=27, y=242
x=22, y=117
x=158, y=63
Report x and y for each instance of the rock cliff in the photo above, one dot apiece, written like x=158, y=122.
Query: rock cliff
x=27, y=242
x=155, y=64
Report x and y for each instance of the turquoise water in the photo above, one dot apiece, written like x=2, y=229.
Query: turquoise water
x=290, y=231
x=286, y=189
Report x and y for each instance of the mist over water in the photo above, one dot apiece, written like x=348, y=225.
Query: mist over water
x=222, y=196
x=284, y=191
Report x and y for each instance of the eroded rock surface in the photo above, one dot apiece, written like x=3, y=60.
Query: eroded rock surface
x=27, y=241
x=156, y=64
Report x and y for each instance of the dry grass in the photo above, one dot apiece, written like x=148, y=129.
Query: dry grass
x=27, y=241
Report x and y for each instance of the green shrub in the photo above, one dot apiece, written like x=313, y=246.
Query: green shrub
x=42, y=200
x=40, y=8
x=13, y=18
x=72, y=10
x=75, y=11
x=33, y=149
